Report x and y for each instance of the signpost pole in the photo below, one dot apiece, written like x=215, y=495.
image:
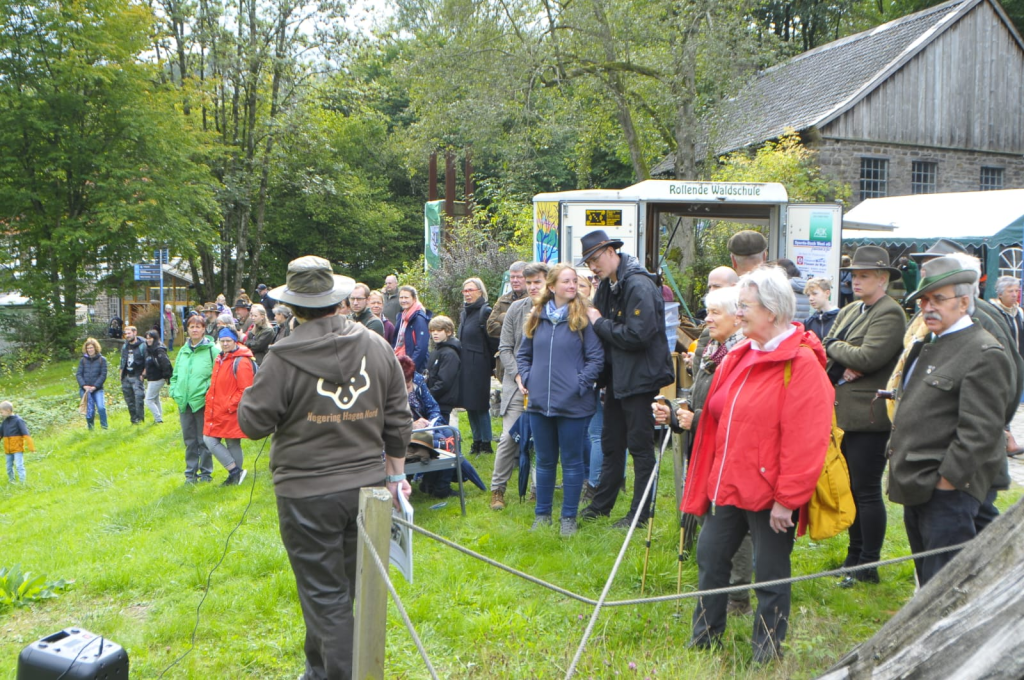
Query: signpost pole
x=163, y=318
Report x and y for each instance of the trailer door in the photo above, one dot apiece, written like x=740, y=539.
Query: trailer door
x=618, y=219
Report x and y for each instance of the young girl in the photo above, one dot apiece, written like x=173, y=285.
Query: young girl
x=559, y=362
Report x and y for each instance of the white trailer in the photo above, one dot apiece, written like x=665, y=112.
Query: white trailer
x=808, y=234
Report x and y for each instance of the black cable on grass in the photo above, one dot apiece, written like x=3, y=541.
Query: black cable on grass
x=100, y=638
x=209, y=578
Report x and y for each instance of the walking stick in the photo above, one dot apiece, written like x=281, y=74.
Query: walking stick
x=654, y=503
x=679, y=567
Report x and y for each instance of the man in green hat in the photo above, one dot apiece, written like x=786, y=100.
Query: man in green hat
x=946, y=446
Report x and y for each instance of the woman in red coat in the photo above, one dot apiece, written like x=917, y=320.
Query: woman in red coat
x=233, y=371
x=760, y=447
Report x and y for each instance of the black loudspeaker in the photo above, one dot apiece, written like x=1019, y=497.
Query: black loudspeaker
x=73, y=654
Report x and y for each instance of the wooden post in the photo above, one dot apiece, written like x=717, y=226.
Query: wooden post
x=371, y=605
x=432, y=177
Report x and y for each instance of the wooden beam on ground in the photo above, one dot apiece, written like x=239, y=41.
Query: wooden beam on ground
x=371, y=605
x=967, y=622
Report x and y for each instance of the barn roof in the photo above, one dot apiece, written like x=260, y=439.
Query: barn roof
x=815, y=87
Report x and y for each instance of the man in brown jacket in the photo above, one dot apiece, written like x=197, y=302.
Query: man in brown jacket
x=334, y=396
x=517, y=282
x=946, y=445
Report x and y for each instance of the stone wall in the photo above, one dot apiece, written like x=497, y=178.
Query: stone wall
x=957, y=170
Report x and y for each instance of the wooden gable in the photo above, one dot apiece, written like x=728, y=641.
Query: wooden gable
x=963, y=90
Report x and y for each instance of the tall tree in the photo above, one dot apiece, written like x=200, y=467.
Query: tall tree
x=95, y=162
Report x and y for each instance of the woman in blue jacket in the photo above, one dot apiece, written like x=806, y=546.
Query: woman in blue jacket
x=559, y=361
x=92, y=373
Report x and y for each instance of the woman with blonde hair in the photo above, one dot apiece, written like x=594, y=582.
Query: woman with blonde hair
x=477, y=363
x=92, y=373
x=559, y=361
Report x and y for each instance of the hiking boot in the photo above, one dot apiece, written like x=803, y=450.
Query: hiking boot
x=569, y=526
x=589, y=513
x=541, y=521
x=485, y=447
x=498, y=499
x=533, y=495
x=235, y=477
x=588, y=492
x=738, y=608
x=626, y=521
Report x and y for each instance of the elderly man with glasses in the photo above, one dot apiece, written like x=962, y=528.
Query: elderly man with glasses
x=946, y=447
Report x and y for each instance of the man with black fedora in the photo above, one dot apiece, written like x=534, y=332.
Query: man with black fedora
x=629, y=317
x=334, y=396
x=946, y=445
x=862, y=347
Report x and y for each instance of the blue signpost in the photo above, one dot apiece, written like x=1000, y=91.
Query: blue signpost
x=155, y=272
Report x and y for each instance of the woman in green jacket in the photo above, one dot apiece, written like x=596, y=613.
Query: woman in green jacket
x=863, y=346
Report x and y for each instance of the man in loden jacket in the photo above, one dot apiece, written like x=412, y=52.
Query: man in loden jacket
x=189, y=384
x=334, y=396
x=517, y=283
x=947, y=446
x=629, y=317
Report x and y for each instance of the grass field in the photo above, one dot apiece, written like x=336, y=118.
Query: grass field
x=109, y=510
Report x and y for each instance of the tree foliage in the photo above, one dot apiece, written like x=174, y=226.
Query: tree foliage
x=96, y=163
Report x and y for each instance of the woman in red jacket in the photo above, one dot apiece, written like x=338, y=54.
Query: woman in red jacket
x=760, y=447
x=233, y=371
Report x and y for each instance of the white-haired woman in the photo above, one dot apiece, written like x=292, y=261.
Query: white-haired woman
x=726, y=333
x=761, y=442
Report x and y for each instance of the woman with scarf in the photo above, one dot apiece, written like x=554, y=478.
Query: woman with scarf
x=477, y=363
x=559, y=361
x=725, y=333
x=412, y=338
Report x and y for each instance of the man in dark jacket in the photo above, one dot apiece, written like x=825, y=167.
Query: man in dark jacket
x=358, y=303
x=946, y=446
x=345, y=402
x=629, y=317
x=133, y=363
x=265, y=299
x=517, y=283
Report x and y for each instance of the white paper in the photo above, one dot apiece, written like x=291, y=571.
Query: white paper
x=401, y=539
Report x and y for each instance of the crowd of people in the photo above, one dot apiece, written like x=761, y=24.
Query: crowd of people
x=581, y=361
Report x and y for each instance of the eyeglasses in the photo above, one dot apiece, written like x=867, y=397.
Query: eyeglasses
x=744, y=307
x=936, y=300
x=357, y=299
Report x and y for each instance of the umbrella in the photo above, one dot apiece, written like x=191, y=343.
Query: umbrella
x=520, y=434
x=469, y=474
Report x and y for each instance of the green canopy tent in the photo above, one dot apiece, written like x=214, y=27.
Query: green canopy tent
x=990, y=223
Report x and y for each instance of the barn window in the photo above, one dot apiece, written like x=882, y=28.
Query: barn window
x=874, y=178
x=991, y=179
x=922, y=177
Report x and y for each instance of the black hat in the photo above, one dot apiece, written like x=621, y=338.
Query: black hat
x=312, y=283
x=747, y=242
x=941, y=248
x=873, y=257
x=262, y=286
x=593, y=242
x=943, y=271
x=240, y=302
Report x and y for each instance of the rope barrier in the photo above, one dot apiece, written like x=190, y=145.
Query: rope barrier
x=842, y=571
x=382, y=570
